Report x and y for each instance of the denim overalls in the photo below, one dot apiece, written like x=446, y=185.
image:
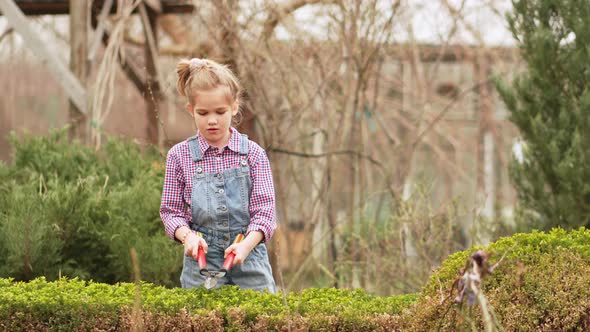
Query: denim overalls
x=220, y=211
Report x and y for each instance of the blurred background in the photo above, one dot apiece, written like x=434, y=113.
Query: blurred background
x=388, y=141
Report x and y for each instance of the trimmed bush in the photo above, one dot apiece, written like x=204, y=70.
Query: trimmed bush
x=541, y=284
x=71, y=305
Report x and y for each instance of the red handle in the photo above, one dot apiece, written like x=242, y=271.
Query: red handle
x=229, y=262
x=201, y=259
x=229, y=259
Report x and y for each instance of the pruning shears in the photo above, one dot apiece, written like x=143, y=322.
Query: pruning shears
x=213, y=276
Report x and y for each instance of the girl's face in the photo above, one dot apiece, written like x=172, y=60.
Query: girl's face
x=212, y=113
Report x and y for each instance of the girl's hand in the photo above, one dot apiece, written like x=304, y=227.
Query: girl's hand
x=242, y=250
x=192, y=244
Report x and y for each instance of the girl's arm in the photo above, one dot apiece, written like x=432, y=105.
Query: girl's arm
x=262, y=200
x=172, y=211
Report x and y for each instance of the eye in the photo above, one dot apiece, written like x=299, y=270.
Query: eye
x=202, y=113
x=220, y=112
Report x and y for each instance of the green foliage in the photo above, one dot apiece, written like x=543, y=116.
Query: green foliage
x=67, y=209
x=64, y=305
x=541, y=284
x=29, y=245
x=550, y=104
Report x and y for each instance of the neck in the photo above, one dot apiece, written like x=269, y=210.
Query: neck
x=222, y=142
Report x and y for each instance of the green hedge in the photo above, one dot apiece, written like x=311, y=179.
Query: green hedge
x=70, y=305
x=543, y=283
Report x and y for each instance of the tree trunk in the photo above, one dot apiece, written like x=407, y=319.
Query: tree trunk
x=152, y=95
x=79, y=65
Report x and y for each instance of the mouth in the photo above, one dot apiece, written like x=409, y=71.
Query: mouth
x=212, y=130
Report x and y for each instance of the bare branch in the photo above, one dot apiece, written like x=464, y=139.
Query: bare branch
x=277, y=13
x=6, y=33
x=327, y=154
x=446, y=109
x=100, y=29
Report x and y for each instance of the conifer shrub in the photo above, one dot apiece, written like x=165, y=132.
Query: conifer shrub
x=67, y=209
x=540, y=284
x=549, y=103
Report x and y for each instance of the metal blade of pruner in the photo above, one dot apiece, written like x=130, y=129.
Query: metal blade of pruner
x=211, y=277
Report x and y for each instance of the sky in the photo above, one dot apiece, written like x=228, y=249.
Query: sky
x=430, y=21
x=486, y=17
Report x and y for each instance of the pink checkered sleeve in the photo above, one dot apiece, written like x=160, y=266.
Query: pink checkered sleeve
x=262, y=200
x=172, y=209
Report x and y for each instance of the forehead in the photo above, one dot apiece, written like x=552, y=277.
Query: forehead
x=218, y=97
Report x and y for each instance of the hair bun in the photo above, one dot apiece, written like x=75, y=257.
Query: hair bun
x=196, y=63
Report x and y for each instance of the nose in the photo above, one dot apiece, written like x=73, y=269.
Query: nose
x=212, y=120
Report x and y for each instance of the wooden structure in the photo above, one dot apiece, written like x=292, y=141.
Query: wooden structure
x=73, y=79
x=57, y=7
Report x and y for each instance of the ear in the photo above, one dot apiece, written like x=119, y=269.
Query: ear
x=189, y=109
x=234, y=108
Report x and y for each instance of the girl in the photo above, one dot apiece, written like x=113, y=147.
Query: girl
x=218, y=183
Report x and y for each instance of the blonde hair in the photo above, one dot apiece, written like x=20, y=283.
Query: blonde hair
x=204, y=74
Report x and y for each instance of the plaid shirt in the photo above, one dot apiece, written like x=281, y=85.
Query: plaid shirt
x=175, y=209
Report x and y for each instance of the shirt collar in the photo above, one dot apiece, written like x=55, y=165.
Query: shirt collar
x=233, y=144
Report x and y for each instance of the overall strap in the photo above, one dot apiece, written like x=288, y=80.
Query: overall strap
x=243, y=145
x=244, y=153
x=195, y=149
